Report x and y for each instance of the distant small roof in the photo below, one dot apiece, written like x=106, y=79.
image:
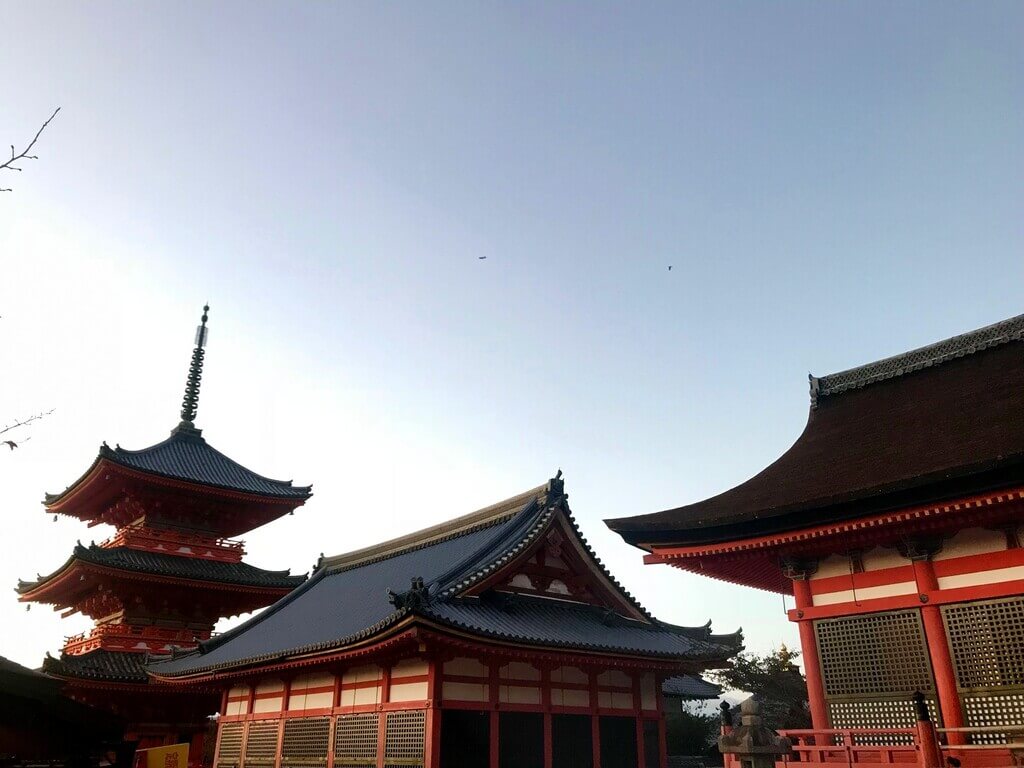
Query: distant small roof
x=108, y=666
x=690, y=687
x=939, y=422
x=175, y=566
x=186, y=455
x=347, y=599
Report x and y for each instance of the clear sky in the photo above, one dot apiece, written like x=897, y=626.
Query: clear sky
x=831, y=183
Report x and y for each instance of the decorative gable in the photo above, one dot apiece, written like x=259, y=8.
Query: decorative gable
x=559, y=565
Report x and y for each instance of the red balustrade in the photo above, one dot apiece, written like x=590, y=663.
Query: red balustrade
x=177, y=543
x=130, y=637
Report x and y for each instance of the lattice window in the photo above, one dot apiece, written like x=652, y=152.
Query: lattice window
x=404, y=742
x=875, y=653
x=229, y=745
x=994, y=709
x=305, y=742
x=878, y=713
x=987, y=642
x=871, y=666
x=261, y=743
x=355, y=741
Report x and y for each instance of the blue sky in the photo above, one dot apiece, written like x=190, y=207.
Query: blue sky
x=831, y=183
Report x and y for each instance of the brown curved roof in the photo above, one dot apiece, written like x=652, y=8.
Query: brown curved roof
x=938, y=422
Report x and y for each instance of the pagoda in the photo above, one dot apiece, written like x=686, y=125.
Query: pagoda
x=172, y=568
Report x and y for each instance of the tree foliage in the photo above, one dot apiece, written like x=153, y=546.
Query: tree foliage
x=777, y=683
x=691, y=731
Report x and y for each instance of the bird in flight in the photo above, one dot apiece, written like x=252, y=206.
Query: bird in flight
x=669, y=267
x=481, y=258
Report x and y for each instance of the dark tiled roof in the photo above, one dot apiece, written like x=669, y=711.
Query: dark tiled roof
x=186, y=455
x=347, y=600
x=690, y=687
x=176, y=566
x=918, y=359
x=99, y=665
x=880, y=440
x=38, y=698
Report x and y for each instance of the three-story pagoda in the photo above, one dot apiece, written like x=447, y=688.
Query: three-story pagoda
x=172, y=568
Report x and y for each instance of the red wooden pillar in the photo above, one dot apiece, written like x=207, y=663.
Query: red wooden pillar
x=595, y=722
x=494, y=720
x=549, y=755
x=812, y=663
x=938, y=650
x=638, y=716
x=432, y=749
x=382, y=716
x=195, y=749
x=662, y=731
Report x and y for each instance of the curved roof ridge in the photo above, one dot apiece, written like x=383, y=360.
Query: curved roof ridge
x=936, y=353
x=459, y=526
x=156, y=563
x=183, y=436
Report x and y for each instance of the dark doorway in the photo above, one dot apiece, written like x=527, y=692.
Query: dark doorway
x=521, y=740
x=652, y=745
x=618, y=742
x=571, y=741
x=465, y=739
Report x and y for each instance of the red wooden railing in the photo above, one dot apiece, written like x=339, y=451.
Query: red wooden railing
x=176, y=543
x=129, y=637
x=832, y=748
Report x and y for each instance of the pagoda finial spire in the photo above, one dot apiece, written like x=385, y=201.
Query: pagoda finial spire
x=190, y=404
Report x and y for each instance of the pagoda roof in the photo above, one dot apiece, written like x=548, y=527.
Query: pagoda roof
x=935, y=423
x=353, y=598
x=186, y=456
x=100, y=665
x=690, y=687
x=173, y=566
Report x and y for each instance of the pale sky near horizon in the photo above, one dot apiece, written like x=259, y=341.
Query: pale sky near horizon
x=831, y=182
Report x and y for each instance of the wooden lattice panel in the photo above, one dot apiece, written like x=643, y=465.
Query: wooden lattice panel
x=404, y=741
x=880, y=714
x=879, y=653
x=355, y=740
x=229, y=745
x=261, y=743
x=305, y=742
x=987, y=642
x=994, y=709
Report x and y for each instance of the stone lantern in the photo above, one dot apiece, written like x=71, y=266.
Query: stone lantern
x=752, y=745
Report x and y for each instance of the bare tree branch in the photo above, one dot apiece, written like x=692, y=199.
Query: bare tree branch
x=12, y=444
x=16, y=156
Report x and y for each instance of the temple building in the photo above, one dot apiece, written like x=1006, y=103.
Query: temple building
x=172, y=568
x=895, y=522
x=495, y=640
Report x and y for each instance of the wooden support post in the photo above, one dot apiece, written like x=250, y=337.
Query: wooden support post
x=546, y=702
x=595, y=721
x=495, y=723
x=432, y=748
x=812, y=663
x=382, y=721
x=938, y=651
x=929, y=755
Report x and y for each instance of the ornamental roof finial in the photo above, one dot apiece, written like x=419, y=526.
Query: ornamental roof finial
x=190, y=404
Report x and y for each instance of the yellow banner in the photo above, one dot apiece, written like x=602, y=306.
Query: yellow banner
x=174, y=756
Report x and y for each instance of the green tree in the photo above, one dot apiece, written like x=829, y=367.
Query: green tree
x=691, y=731
x=776, y=682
